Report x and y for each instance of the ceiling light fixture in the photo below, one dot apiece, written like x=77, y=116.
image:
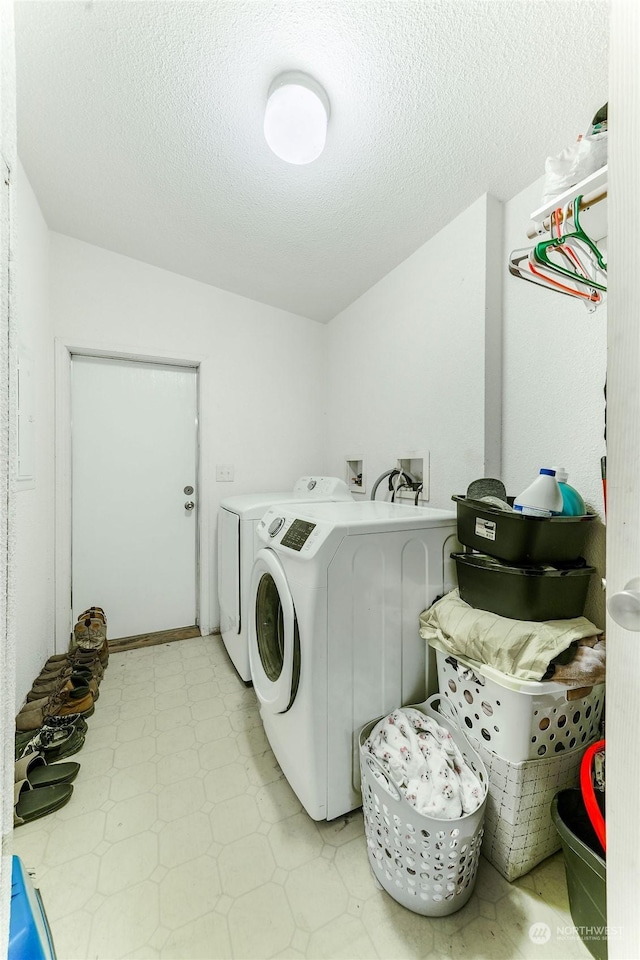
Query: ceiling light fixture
x=296, y=117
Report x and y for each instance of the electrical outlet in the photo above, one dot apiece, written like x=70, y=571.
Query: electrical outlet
x=224, y=472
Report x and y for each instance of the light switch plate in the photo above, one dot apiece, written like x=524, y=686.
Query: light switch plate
x=224, y=472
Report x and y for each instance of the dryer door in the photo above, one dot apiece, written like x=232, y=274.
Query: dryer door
x=274, y=645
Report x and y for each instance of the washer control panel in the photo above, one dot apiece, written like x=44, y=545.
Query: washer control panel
x=303, y=537
x=298, y=534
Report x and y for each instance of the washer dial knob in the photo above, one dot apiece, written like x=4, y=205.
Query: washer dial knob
x=276, y=526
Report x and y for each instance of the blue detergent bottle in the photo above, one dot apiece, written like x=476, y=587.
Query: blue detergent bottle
x=572, y=503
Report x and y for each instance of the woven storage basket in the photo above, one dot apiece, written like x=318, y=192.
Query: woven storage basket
x=519, y=719
x=519, y=832
x=427, y=865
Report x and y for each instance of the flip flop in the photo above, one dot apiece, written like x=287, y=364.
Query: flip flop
x=29, y=804
x=37, y=771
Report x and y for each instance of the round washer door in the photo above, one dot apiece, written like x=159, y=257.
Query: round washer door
x=274, y=646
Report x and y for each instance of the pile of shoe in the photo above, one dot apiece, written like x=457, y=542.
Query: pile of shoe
x=51, y=725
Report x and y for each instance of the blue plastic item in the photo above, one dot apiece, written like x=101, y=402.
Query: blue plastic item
x=572, y=503
x=29, y=932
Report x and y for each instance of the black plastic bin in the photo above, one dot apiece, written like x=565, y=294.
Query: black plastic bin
x=523, y=592
x=518, y=538
x=585, y=869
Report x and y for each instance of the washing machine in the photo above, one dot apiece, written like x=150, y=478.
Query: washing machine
x=237, y=520
x=336, y=594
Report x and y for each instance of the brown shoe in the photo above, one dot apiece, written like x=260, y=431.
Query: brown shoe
x=90, y=660
x=74, y=694
x=55, y=660
x=49, y=679
x=87, y=663
x=89, y=634
x=95, y=613
x=103, y=653
x=61, y=704
x=45, y=688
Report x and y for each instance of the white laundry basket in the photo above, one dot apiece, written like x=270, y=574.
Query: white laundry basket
x=427, y=865
x=519, y=831
x=518, y=719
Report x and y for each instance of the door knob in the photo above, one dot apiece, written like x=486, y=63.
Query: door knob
x=189, y=505
x=624, y=607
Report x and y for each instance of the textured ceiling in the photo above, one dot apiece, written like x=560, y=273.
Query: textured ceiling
x=140, y=127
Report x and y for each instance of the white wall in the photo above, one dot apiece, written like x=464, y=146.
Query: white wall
x=263, y=371
x=555, y=356
x=415, y=362
x=34, y=564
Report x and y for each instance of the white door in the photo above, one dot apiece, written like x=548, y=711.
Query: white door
x=134, y=533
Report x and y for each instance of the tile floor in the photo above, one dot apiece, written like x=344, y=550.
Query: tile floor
x=183, y=840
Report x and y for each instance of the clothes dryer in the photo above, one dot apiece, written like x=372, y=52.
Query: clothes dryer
x=336, y=594
x=237, y=520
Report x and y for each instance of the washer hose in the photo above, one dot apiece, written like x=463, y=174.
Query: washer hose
x=389, y=473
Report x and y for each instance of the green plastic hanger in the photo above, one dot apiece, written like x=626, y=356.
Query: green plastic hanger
x=521, y=267
x=577, y=235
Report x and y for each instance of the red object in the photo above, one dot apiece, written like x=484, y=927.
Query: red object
x=588, y=792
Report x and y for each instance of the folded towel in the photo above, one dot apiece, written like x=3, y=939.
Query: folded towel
x=520, y=648
x=587, y=665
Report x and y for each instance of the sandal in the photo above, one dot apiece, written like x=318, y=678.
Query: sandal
x=37, y=771
x=29, y=804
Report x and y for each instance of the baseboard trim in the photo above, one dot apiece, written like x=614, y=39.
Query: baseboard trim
x=153, y=639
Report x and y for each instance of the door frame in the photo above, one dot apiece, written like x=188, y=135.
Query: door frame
x=623, y=485
x=64, y=352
